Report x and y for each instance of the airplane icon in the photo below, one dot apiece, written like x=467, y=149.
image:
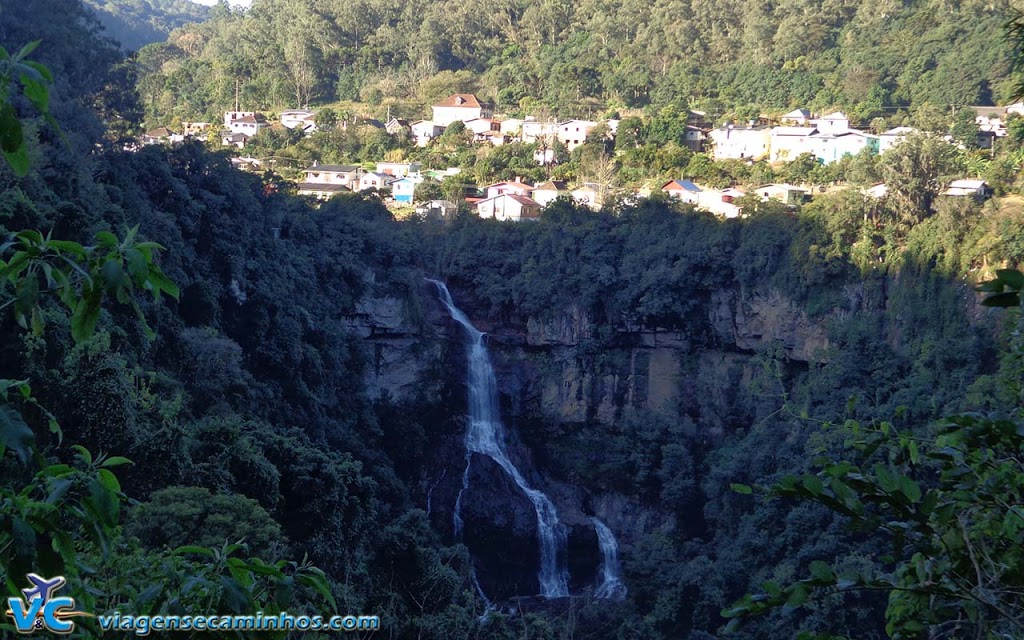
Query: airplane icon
x=42, y=588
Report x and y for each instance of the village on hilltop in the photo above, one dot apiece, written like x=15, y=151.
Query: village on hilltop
x=799, y=133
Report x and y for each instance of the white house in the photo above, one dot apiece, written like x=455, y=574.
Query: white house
x=249, y=124
x=892, y=137
x=796, y=118
x=573, y=133
x=832, y=123
x=533, y=130
x=508, y=206
x=459, y=107
x=321, y=190
x=437, y=209
x=235, y=140
x=721, y=203
x=479, y=125
x=160, y=135
x=993, y=119
x=587, y=195
x=683, y=190
x=231, y=116
x=740, y=143
x=514, y=187
x=967, y=189
x=374, y=180
x=785, y=193
x=547, y=192
x=511, y=127
x=298, y=119
x=830, y=147
x=396, y=126
x=336, y=174
x=423, y=131
x=787, y=143
x=398, y=169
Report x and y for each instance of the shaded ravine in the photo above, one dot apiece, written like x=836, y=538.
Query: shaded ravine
x=485, y=435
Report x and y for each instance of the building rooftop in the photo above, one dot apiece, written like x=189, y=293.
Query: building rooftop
x=467, y=100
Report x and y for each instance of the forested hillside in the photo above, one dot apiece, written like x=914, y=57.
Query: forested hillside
x=136, y=23
x=867, y=56
x=303, y=391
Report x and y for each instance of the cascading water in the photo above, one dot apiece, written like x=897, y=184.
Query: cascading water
x=485, y=435
x=611, y=586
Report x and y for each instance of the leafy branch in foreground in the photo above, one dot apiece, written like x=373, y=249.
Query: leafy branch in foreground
x=952, y=509
x=33, y=80
x=80, y=276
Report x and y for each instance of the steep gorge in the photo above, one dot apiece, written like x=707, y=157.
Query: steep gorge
x=566, y=377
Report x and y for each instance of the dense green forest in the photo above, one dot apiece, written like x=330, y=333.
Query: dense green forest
x=243, y=402
x=576, y=59
x=136, y=23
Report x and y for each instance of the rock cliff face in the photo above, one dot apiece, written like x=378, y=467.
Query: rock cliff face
x=558, y=370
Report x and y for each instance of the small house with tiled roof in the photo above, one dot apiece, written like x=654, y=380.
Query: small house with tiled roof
x=340, y=174
x=547, y=192
x=516, y=187
x=509, y=206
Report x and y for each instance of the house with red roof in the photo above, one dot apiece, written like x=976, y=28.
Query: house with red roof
x=516, y=187
x=460, y=107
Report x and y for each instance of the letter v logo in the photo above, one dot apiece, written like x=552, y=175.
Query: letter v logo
x=24, y=621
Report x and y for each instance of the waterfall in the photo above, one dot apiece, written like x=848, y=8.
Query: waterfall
x=611, y=586
x=485, y=435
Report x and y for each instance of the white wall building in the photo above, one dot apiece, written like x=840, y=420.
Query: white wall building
x=740, y=143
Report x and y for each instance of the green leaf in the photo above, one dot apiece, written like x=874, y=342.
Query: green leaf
x=813, y=484
x=1008, y=299
x=234, y=595
x=85, y=316
x=797, y=597
x=138, y=265
x=40, y=68
x=15, y=434
x=36, y=93
x=158, y=282
x=18, y=161
x=910, y=489
x=108, y=480
x=1013, y=278
x=82, y=453
x=107, y=240
x=741, y=488
x=11, y=134
x=66, y=246
x=115, y=461
x=112, y=274
x=203, y=551
x=822, y=571
x=319, y=583
x=27, y=50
